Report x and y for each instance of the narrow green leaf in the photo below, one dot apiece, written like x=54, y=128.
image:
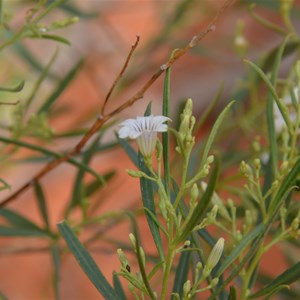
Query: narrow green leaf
x=287, y=277
x=287, y=184
x=232, y=293
x=282, y=107
x=213, y=133
x=20, y=232
x=19, y=221
x=18, y=88
x=201, y=207
x=165, y=135
x=30, y=59
x=5, y=185
x=270, y=112
x=41, y=203
x=61, y=87
x=55, y=252
x=181, y=274
x=130, y=151
x=118, y=287
x=148, y=109
x=51, y=153
x=246, y=240
x=87, y=263
x=39, y=81
x=139, y=256
x=78, y=187
x=56, y=38
x=71, y=9
x=154, y=218
x=95, y=185
x=146, y=186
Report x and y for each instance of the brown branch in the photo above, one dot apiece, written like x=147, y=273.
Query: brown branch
x=133, y=47
x=102, y=119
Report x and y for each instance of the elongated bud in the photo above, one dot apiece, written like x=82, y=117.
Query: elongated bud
x=123, y=260
x=132, y=241
x=194, y=195
x=187, y=287
x=214, y=256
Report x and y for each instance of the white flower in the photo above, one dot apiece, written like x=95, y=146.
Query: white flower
x=144, y=129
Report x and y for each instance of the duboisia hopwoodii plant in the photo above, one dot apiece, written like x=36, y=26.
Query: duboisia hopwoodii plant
x=218, y=192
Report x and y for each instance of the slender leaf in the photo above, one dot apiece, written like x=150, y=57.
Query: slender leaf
x=148, y=109
x=287, y=184
x=18, y=231
x=118, y=287
x=236, y=252
x=19, y=221
x=51, y=153
x=18, y=88
x=146, y=186
x=61, y=87
x=201, y=207
x=270, y=112
x=25, y=54
x=213, y=133
x=139, y=256
x=130, y=151
x=5, y=185
x=232, y=293
x=181, y=274
x=281, y=105
x=40, y=80
x=41, y=202
x=78, y=187
x=87, y=263
x=54, y=37
x=94, y=186
x=55, y=251
x=165, y=135
x=287, y=277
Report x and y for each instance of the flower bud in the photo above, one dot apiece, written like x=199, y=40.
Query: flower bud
x=194, y=195
x=245, y=169
x=214, y=282
x=187, y=287
x=132, y=241
x=215, y=255
x=123, y=260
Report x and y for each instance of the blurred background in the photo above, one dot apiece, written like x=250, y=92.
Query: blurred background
x=99, y=42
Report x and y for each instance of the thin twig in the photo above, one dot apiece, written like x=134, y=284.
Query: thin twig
x=102, y=119
x=133, y=47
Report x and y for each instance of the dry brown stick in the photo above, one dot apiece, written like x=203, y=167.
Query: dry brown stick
x=102, y=119
x=133, y=47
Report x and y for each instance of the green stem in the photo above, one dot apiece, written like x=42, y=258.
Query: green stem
x=183, y=179
x=249, y=272
x=167, y=271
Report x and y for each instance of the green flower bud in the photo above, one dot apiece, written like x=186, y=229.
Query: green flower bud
x=199, y=265
x=187, y=287
x=134, y=174
x=214, y=256
x=214, y=282
x=245, y=169
x=194, y=195
x=132, y=240
x=295, y=224
x=123, y=260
